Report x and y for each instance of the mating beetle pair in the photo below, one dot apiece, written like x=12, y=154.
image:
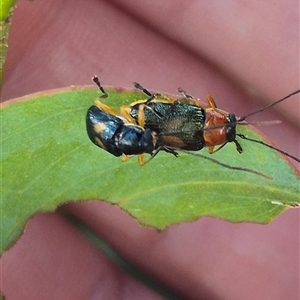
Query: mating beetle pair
x=152, y=125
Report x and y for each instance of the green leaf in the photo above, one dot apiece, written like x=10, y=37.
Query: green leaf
x=5, y=8
x=6, y=12
x=47, y=160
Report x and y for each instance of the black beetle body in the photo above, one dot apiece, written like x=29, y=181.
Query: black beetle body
x=112, y=134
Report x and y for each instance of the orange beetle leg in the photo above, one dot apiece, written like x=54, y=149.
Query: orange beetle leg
x=126, y=157
x=210, y=100
x=141, y=115
x=106, y=108
x=125, y=112
x=141, y=159
x=212, y=151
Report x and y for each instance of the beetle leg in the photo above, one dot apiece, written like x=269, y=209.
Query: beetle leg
x=184, y=94
x=126, y=157
x=189, y=99
x=152, y=155
x=152, y=96
x=168, y=150
x=212, y=151
x=96, y=80
x=141, y=159
x=157, y=151
x=168, y=99
x=239, y=148
x=106, y=108
x=145, y=91
x=210, y=100
x=141, y=115
x=125, y=112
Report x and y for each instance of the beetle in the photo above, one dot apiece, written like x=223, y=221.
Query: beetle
x=118, y=137
x=218, y=128
x=184, y=124
x=163, y=116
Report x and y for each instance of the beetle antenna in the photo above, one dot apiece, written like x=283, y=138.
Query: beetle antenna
x=222, y=164
x=96, y=80
x=270, y=105
x=269, y=146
